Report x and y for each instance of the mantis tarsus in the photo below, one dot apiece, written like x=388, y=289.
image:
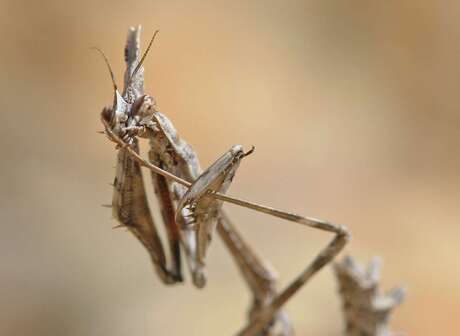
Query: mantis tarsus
x=191, y=199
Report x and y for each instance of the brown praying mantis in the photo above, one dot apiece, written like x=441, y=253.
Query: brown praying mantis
x=191, y=200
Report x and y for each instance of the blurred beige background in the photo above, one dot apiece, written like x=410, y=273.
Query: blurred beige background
x=353, y=107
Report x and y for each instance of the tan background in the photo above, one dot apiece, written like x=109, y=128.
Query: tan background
x=353, y=107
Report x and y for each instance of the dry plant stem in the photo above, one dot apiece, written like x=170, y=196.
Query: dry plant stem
x=366, y=309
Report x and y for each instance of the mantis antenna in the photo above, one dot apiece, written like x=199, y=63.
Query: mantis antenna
x=138, y=66
x=108, y=66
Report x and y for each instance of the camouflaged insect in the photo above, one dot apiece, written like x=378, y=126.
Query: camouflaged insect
x=190, y=201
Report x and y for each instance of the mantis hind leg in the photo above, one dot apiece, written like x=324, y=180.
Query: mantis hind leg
x=259, y=277
x=266, y=314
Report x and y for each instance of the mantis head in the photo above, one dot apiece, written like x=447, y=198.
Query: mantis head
x=132, y=112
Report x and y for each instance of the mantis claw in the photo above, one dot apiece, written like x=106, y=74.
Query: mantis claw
x=249, y=152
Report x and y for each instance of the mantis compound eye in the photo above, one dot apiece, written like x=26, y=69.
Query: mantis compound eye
x=123, y=118
x=107, y=114
x=113, y=117
x=144, y=107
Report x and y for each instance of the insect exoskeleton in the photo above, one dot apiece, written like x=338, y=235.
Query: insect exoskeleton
x=140, y=120
x=190, y=201
x=203, y=208
x=143, y=107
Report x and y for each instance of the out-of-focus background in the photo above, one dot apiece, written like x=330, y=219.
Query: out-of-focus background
x=353, y=107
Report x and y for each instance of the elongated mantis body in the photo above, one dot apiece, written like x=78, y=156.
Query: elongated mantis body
x=190, y=201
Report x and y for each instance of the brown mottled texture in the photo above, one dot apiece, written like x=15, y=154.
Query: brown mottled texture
x=353, y=107
x=131, y=209
x=197, y=197
x=165, y=202
x=203, y=209
x=191, y=227
x=366, y=310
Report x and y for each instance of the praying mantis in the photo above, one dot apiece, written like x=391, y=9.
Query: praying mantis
x=191, y=199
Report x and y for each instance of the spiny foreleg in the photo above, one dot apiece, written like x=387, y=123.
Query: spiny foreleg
x=131, y=209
